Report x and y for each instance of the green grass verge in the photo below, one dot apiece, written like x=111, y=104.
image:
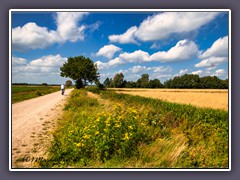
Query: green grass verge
x=21, y=93
x=137, y=132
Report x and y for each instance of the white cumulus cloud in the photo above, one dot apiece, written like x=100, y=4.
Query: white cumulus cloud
x=127, y=37
x=160, y=26
x=198, y=72
x=112, y=63
x=44, y=68
x=108, y=51
x=136, y=56
x=18, y=61
x=218, y=49
x=183, y=50
x=32, y=36
x=49, y=61
x=137, y=69
x=67, y=25
x=220, y=72
x=211, y=62
x=183, y=71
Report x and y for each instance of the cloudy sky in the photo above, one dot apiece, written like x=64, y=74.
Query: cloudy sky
x=162, y=44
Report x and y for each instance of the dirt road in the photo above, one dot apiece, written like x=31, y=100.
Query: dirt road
x=32, y=123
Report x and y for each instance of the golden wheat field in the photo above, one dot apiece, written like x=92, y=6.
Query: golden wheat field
x=210, y=98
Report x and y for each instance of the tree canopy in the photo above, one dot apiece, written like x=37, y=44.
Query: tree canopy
x=80, y=69
x=194, y=81
x=118, y=80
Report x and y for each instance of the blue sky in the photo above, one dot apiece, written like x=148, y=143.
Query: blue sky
x=161, y=44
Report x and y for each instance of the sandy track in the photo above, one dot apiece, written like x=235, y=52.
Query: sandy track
x=32, y=123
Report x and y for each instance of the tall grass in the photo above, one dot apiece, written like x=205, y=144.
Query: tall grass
x=138, y=132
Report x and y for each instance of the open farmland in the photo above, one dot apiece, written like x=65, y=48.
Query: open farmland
x=21, y=93
x=210, y=98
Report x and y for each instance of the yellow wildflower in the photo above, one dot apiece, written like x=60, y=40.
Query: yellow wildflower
x=98, y=119
x=117, y=125
x=79, y=144
x=134, y=111
x=86, y=136
x=119, y=117
x=143, y=124
x=126, y=137
x=130, y=127
x=108, y=120
x=97, y=132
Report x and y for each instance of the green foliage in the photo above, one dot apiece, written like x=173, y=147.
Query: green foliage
x=106, y=83
x=131, y=84
x=44, y=84
x=118, y=80
x=80, y=69
x=155, y=83
x=21, y=93
x=187, y=81
x=68, y=83
x=144, y=81
x=99, y=85
x=194, y=81
x=93, y=89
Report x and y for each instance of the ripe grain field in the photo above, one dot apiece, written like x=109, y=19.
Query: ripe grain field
x=209, y=98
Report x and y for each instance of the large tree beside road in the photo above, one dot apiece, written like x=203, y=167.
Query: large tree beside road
x=81, y=69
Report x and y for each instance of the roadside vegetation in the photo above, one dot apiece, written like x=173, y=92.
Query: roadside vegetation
x=24, y=92
x=125, y=131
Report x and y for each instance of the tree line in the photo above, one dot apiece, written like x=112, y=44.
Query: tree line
x=185, y=81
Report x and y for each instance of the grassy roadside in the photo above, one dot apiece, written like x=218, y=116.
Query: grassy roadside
x=137, y=132
x=21, y=93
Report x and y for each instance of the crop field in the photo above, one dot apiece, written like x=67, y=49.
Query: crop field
x=21, y=93
x=105, y=129
x=210, y=98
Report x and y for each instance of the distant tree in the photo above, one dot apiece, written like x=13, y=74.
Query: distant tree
x=138, y=83
x=68, y=83
x=144, y=80
x=155, y=84
x=111, y=84
x=106, y=83
x=130, y=84
x=44, y=84
x=80, y=69
x=224, y=84
x=118, y=80
x=211, y=82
